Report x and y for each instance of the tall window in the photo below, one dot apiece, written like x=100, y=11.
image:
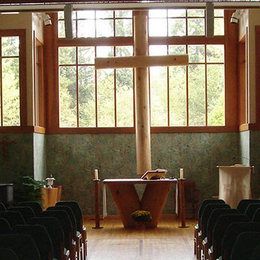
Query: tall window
x=190, y=95
x=9, y=81
x=90, y=98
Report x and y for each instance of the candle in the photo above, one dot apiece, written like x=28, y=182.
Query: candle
x=181, y=173
x=96, y=174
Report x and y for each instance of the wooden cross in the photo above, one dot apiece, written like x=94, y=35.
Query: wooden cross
x=140, y=62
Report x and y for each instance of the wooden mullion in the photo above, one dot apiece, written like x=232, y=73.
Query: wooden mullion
x=115, y=97
x=133, y=80
x=96, y=108
x=206, y=86
x=187, y=91
x=168, y=92
x=100, y=41
x=77, y=86
x=179, y=40
x=22, y=77
x=36, y=93
x=1, y=82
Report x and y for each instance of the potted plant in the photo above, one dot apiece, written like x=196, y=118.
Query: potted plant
x=141, y=217
x=27, y=189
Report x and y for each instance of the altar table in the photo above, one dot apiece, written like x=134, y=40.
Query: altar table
x=154, y=198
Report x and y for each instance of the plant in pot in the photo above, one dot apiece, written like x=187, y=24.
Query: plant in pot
x=28, y=189
x=141, y=218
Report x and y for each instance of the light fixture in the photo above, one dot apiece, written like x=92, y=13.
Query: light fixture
x=47, y=19
x=235, y=17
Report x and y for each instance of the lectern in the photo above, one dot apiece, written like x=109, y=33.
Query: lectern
x=234, y=183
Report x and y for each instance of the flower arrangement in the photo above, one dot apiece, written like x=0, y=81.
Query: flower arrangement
x=141, y=216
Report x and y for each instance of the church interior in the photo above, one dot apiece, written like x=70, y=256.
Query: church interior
x=123, y=107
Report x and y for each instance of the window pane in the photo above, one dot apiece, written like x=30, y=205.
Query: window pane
x=158, y=13
x=104, y=14
x=158, y=90
x=177, y=27
x=124, y=51
x=196, y=53
x=195, y=13
x=219, y=26
x=67, y=55
x=105, y=51
x=177, y=49
x=105, y=28
x=105, y=98
x=219, y=12
x=216, y=96
x=196, y=81
x=60, y=15
x=86, y=85
x=124, y=97
x=215, y=53
x=156, y=50
x=10, y=46
x=86, y=55
x=10, y=92
x=196, y=26
x=67, y=98
x=123, y=14
x=157, y=27
x=86, y=28
x=123, y=27
x=86, y=14
x=61, y=29
x=176, y=13
x=177, y=96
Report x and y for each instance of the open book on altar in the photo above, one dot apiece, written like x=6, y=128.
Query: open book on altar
x=154, y=174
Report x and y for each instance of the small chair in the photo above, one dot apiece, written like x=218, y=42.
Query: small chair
x=27, y=212
x=76, y=235
x=197, y=227
x=23, y=245
x=34, y=205
x=219, y=231
x=5, y=227
x=215, y=214
x=79, y=220
x=232, y=232
x=41, y=237
x=13, y=217
x=56, y=234
x=251, y=209
x=255, y=253
x=203, y=223
x=2, y=206
x=244, y=245
x=66, y=224
x=243, y=204
x=256, y=217
x=8, y=253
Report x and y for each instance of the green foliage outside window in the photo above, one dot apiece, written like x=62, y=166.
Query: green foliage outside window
x=193, y=95
x=10, y=86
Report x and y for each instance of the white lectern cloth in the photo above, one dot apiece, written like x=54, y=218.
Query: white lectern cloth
x=234, y=184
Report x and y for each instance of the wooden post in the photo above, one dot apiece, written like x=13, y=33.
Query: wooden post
x=142, y=107
x=97, y=214
x=182, y=207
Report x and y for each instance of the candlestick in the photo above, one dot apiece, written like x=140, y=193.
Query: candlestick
x=181, y=173
x=96, y=174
